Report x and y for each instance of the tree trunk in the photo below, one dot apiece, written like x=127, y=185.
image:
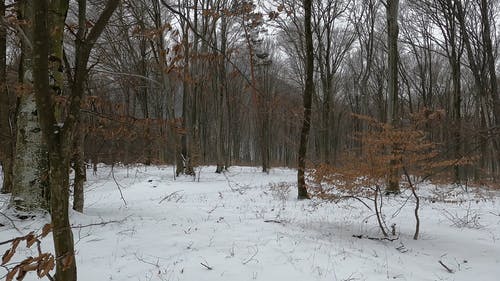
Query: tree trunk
x=307, y=101
x=57, y=17
x=6, y=124
x=221, y=85
x=30, y=180
x=457, y=116
x=187, y=133
x=80, y=171
x=58, y=152
x=392, y=118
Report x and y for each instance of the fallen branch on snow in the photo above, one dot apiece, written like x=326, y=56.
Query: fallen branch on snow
x=375, y=238
x=447, y=268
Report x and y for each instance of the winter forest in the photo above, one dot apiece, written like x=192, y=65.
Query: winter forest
x=250, y=140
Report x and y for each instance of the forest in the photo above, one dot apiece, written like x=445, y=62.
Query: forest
x=368, y=103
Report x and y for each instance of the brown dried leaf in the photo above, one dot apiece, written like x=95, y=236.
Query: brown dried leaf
x=16, y=242
x=21, y=275
x=66, y=261
x=45, y=267
x=30, y=239
x=29, y=267
x=27, y=261
x=46, y=230
x=11, y=274
x=8, y=255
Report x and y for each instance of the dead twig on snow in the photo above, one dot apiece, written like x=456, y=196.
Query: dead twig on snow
x=446, y=267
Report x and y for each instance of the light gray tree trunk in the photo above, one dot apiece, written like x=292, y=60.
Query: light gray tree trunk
x=30, y=179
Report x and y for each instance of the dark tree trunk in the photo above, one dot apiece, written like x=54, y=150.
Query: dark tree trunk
x=186, y=134
x=6, y=124
x=58, y=155
x=392, y=118
x=490, y=60
x=307, y=101
x=80, y=171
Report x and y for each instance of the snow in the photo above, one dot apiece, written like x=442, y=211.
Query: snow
x=246, y=225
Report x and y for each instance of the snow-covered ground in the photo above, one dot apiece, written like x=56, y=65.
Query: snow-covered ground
x=245, y=225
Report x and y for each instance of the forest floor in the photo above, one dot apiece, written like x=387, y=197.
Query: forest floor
x=246, y=225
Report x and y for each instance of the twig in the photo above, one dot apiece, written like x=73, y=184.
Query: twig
x=118, y=185
x=274, y=221
x=356, y=198
x=11, y=222
x=8, y=241
x=447, y=268
x=169, y=196
x=206, y=266
x=495, y=214
x=417, y=204
x=375, y=238
x=253, y=256
x=99, y=223
x=378, y=211
x=147, y=262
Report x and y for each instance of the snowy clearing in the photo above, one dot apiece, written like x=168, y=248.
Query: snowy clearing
x=244, y=225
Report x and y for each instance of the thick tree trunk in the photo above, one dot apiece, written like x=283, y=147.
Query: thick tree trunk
x=307, y=101
x=57, y=17
x=62, y=233
x=392, y=118
x=57, y=147
x=30, y=180
x=6, y=124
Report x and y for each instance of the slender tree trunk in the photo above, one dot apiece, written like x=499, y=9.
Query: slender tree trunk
x=221, y=102
x=6, y=122
x=392, y=41
x=307, y=101
x=80, y=171
x=457, y=116
x=186, y=134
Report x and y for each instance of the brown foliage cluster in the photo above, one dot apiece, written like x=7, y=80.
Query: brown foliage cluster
x=363, y=172
x=41, y=264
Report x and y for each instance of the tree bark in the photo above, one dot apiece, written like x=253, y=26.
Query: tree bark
x=58, y=159
x=6, y=122
x=78, y=162
x=221, y=92
x=30, y=189
x=392, y=118
x=307, y=102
